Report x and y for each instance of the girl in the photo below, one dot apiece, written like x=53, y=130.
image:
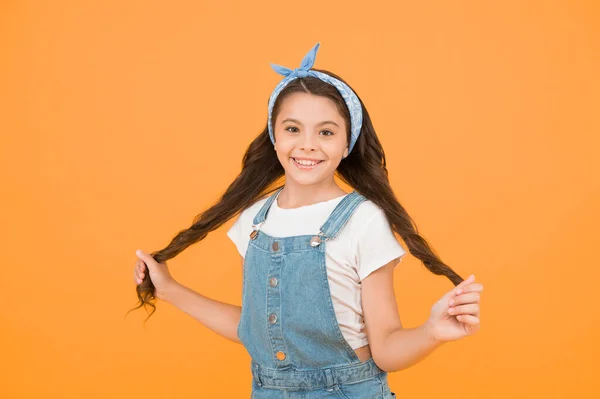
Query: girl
x=318, y=316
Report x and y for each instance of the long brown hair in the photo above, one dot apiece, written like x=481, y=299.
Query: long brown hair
x=364, y=169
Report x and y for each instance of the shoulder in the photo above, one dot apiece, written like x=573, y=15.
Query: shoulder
x=366, y=212
x=368, y=222
x=246, y=216
x=370, y=226
x=242, y=226
x=373, y=239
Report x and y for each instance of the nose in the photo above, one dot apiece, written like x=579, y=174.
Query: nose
x=308, y=141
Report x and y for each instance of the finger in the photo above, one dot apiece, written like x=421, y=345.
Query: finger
x=474, y=287
x=139, y=275
x=459, y=288
x=136, y=269
x=471, y=297
x=465, y=282
x=468, y=319
x=464, y=309
x=146, y=258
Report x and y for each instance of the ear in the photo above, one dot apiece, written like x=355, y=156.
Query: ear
x=345, y=153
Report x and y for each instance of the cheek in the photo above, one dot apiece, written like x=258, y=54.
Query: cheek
x=283, y=153
x=285, y=146
x=335, y=150
x=283, y=150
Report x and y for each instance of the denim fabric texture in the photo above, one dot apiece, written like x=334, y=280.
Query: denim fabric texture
x=288, y=324
x=351, y=99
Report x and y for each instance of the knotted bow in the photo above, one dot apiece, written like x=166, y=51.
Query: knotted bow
x=307, y=62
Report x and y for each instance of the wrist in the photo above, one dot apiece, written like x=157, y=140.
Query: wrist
x=166, y=294
x=431, y=333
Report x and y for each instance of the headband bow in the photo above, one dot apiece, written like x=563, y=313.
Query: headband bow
x=352, y=101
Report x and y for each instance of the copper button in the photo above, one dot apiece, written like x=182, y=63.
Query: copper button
x=273, y=281
x=272, y=318
x=316, y=240
x=280, y=355
x=275, y=246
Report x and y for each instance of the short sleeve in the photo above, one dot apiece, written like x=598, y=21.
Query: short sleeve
x=376, y=245
x=236, y=235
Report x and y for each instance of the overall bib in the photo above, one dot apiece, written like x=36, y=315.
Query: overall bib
x=288, y=324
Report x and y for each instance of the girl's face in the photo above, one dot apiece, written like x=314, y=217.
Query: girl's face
x=310, y=138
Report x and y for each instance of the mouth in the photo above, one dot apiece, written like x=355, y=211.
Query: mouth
x=306, y=164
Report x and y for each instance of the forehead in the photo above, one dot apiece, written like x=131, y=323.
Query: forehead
x=309, y=108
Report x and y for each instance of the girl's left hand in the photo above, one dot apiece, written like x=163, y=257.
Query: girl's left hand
x=456, y=314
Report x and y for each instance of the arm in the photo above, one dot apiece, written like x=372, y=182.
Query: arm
x=220, y=317
x=393, y=347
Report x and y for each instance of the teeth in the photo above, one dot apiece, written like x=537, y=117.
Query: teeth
x=307, y=163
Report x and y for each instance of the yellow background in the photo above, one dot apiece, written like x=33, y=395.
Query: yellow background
x=121, y=120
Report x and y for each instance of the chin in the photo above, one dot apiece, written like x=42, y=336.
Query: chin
x=303, y=179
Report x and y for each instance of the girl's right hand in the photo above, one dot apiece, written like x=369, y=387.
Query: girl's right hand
x=159, y=273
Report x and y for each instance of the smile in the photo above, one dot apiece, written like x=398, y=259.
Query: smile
x=301, y=164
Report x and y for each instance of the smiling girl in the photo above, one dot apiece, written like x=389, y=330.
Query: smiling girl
x=319, y=317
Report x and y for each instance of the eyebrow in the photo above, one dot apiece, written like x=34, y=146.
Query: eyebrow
x=300, y=123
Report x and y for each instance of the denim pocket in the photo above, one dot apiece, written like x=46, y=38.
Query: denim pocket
x=367, y=389
x=387, y=393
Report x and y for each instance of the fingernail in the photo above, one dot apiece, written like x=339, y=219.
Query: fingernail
x=138, y=252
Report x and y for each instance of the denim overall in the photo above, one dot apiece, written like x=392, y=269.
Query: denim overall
x=288, y=324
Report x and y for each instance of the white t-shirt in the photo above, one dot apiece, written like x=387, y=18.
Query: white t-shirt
x=365, y=243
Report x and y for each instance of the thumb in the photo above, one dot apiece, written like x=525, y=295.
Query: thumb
x=147, y=258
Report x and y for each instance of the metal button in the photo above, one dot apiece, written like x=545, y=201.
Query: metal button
x=273, y=281
x=275, y=246
x=316, y=240
x=280, y=355
x=272, y=318
x=253, y=234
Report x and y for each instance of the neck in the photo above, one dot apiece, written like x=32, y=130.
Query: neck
x=297, y=195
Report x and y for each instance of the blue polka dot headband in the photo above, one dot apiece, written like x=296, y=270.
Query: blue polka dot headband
x=305, y=70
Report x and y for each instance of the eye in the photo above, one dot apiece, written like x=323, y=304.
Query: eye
x=290, y=127
x=330, y=133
